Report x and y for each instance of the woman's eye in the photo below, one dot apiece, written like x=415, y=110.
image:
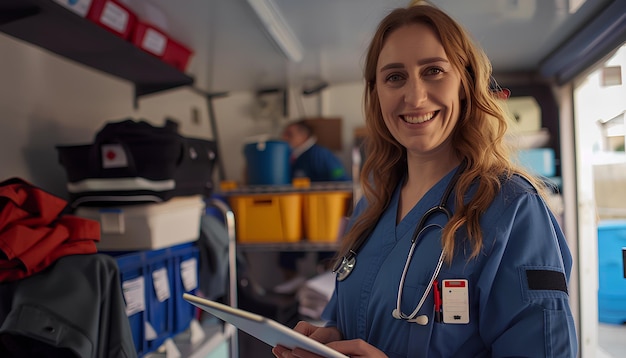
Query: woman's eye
x=394, y=78
x=434, y=71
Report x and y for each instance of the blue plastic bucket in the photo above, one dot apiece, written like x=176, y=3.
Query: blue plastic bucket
x=268, y=162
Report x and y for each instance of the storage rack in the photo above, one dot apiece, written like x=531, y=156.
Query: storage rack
x=51, y=26
x=304, y=245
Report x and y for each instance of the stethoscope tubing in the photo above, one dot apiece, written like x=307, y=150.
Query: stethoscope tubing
x=344, y=268
x=403, y=278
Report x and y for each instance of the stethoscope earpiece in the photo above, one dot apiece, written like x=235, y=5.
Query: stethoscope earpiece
x=421, y=320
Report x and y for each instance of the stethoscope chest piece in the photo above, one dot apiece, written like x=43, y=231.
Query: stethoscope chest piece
x=345, y=267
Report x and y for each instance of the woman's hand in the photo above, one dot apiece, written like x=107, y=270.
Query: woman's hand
x=332, y=338
x=353, y=348
x=320, y=334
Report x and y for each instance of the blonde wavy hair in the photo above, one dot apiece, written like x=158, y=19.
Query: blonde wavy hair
x=477, y=138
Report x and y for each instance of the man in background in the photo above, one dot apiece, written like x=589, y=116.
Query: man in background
x=309, y=159
x=319, y=164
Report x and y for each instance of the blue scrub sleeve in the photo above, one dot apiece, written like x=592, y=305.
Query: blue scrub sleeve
x=330, y=311
x=523, y=294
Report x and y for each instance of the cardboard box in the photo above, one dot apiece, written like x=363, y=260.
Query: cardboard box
x=328, y=132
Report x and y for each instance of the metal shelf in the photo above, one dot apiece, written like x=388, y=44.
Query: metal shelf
x=315, y=187
x=50, y=26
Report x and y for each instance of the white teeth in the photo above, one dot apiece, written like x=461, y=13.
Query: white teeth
x=419, y=119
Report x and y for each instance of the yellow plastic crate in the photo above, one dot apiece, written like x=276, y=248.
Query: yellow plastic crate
x=323, y=212
x=267, y=217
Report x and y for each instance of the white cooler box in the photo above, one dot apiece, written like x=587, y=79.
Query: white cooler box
x=147, y=226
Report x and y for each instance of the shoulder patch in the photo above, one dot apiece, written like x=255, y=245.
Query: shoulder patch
x=546, y=279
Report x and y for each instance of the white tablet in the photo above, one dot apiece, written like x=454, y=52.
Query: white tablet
x=263, y=328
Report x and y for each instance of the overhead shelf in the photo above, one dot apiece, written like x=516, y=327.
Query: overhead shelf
x=51, y=26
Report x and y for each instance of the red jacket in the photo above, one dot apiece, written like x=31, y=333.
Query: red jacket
x=34, y=233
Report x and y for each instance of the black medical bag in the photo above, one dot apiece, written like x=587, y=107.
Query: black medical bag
x=133, y=162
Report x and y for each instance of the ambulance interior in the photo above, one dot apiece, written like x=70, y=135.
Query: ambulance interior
x=230, y=74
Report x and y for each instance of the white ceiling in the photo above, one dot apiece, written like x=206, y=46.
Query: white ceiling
x=233, y=51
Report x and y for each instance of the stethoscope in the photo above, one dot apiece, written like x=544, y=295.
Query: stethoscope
x=343, y=268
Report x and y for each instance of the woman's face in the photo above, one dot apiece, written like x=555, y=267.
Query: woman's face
x=419, y=90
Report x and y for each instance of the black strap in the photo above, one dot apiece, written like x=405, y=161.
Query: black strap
x=546, y=280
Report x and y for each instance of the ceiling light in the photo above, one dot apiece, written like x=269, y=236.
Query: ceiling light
x=278, y=28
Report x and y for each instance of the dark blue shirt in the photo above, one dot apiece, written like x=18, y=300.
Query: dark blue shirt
x=318, y=164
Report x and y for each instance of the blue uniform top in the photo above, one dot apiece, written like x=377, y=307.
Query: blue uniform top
x=518, y=300
x=318, y=164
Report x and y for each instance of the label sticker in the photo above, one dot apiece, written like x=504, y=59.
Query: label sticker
x=115, y=17
x=113, y=156
x=133, y=291
x=112, y=221
x=154, y=42
x=161, y=284
x=189, y=274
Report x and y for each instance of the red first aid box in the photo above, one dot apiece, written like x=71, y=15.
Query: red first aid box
x=113, y=16
x=157, y=42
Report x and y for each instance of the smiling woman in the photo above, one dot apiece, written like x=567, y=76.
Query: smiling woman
x=448, y=225
x=418, y=91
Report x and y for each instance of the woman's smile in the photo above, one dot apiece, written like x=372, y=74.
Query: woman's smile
x=418, y=118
